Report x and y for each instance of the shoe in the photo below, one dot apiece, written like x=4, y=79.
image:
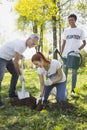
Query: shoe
x=13, y=95
x=1, y=105
x=72, y=92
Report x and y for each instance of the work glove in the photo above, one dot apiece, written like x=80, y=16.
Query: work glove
x=40, y=100
x=48, y=82
x=21, y=77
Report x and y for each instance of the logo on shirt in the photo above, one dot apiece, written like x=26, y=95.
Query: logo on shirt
x=73, y=37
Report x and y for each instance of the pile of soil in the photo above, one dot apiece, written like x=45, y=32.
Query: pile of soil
x=31, y=103
x=65, y=106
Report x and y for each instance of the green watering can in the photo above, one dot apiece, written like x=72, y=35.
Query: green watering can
x=74, y=60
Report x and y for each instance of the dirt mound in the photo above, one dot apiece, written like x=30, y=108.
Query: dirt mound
x=31, y=103
x=65, y=106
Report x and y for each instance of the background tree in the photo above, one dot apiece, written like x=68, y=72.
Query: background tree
x=40, y=12
x=37, y=12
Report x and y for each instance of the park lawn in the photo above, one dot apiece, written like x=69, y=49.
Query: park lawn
x=23, y=118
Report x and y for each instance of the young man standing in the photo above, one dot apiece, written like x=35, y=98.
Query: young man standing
x=72, y=38
x=14, y=50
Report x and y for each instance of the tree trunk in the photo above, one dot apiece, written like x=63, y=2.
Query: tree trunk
x=59, y=26
x=54, y=34
x=41, y=38
x=35, y=31
x=35, y=27
x=40, y=46
x=54, y=37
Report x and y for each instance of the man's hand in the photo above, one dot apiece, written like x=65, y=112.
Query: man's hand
x=40, y=100
x=77, y=51
x=48, y=82
x=21, y=77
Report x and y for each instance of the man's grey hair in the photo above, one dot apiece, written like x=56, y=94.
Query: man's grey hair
x=32, y=36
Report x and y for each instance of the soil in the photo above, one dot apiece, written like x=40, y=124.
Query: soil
x=49, y=106
x=30, y=102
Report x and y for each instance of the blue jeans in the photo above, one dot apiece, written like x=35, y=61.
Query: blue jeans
x=10, y=67
x=74, y=75
x=60, y=93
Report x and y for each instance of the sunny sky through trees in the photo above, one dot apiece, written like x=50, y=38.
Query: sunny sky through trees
x=8, y=29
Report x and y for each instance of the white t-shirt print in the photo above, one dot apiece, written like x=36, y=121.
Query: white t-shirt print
x=73, y=37
x=8, y=51
x=52, y=72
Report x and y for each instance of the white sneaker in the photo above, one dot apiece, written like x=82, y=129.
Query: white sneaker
x=72, y=92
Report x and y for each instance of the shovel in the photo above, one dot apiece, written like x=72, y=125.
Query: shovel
x=23, y=94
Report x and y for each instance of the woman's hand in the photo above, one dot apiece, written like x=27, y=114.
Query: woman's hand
x=48, y=82
x=40, y=99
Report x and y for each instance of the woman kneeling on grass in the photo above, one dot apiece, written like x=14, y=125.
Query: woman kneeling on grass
x=55, y=76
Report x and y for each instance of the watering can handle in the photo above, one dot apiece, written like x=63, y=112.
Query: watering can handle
x=79, y=55
x=57, y=51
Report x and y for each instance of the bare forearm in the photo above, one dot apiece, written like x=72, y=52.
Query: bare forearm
x=60, y=76
x=57, y=80
x=42, y=89
x=41, y=78
x=82, y=46
x=63, y=46
x=17, y=67
x=16, y=63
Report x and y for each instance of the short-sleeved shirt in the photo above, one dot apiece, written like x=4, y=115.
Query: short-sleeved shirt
x=73, y=37
x=52, y=73
x=8, y=50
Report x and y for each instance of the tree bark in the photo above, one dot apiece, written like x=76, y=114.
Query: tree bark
x=54, y=36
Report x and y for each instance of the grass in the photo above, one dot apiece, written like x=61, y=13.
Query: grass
x=23, y=118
